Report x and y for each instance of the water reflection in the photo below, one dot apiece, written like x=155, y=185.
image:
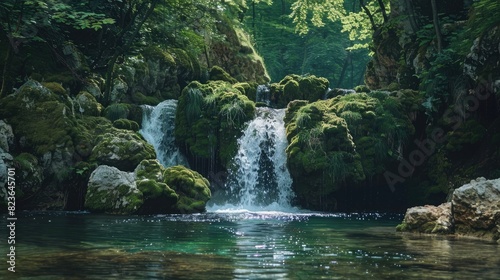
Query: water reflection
x=244, y=245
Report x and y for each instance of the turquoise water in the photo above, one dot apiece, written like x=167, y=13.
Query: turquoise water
x=239, y=245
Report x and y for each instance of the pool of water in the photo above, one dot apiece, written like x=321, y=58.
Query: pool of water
x=239, y=245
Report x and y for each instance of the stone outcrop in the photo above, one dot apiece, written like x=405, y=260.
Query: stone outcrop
x=428, y=219
x=113, y=191
x=123, y=149
x=474, y=210
x=150, y=189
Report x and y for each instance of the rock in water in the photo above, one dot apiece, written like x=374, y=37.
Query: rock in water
x=113, y=191
x=428, y=219
x=476, y=208
x=473, y=211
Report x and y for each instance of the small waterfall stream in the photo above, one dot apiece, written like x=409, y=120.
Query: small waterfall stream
x=158, y=124
x=259, y=179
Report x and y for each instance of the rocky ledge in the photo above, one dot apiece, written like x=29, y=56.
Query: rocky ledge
x=474, y=211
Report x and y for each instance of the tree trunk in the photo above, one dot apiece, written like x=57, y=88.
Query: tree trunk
x=382, y=8
x=344, y=67
x=437, y=27
x=126, y=43
x=368, y=13
x=6, y=68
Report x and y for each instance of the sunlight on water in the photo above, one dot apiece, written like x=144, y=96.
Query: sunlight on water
x=241, y=244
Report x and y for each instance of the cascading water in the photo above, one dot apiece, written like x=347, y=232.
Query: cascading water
x=158, y=124
x=262, y=94
x=259, y=179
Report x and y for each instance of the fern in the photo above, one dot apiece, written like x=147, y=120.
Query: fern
x=194, y=103
x=233, y=113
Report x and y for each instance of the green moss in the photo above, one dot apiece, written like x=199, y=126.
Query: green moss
x=402, y=227
x=150, y=169
x=465, y=136
x=56, y=88
x=216, y=73
x=122, y=149
x=293, y=87
x=362, y=88
x=123, y=200
x=139, y=98
x=210, y=118
x=117, y=111
x=86, y=104
x=38, y=116
x=192, y=188
x=342, y=141
x=126, y=124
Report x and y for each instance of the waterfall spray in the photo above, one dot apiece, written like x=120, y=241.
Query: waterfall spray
x=259, y=177
x=158, y=124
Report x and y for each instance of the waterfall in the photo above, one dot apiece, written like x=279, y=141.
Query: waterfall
x=262, y=94
x=158, y=124
x=259, y=178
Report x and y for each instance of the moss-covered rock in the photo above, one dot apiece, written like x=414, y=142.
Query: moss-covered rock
x=342, y=141
x=123, y=149
x=321, y=154
x=56, y=88
x=294, y=87
x=29, y=175
x=158, y=196
x=86, y=104
x=155, y=74
x=113, y=191
x=193, y=189
x=235, y=53
x=117, y=111
x=126, y=124
x=216, y=73
x=209, y=120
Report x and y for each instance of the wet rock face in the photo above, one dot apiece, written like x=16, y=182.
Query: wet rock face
x=428, y=219
x=476, y=207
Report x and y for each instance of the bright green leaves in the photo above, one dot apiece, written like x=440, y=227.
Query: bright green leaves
x=315, y=11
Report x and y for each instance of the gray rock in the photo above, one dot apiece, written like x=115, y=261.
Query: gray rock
x=428, y=219
x=113, y=191
x=5, y=163
x=123, y=149
x=6, y=136
x=476, y=207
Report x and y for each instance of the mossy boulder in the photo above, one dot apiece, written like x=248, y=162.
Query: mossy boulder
x=216, y=73
x=294, y=87
x=235, y=53
x=29, y=175
x=126, y=124
x=121, y=148
x=113, y=191
x=342, y=142
x=86, y=104
x=43, y=124
x=154, y=74
x=117, y=111
x=55, y=88
x=158, y=196
x=321, y=154
x=209, y=120
x=193, y=189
